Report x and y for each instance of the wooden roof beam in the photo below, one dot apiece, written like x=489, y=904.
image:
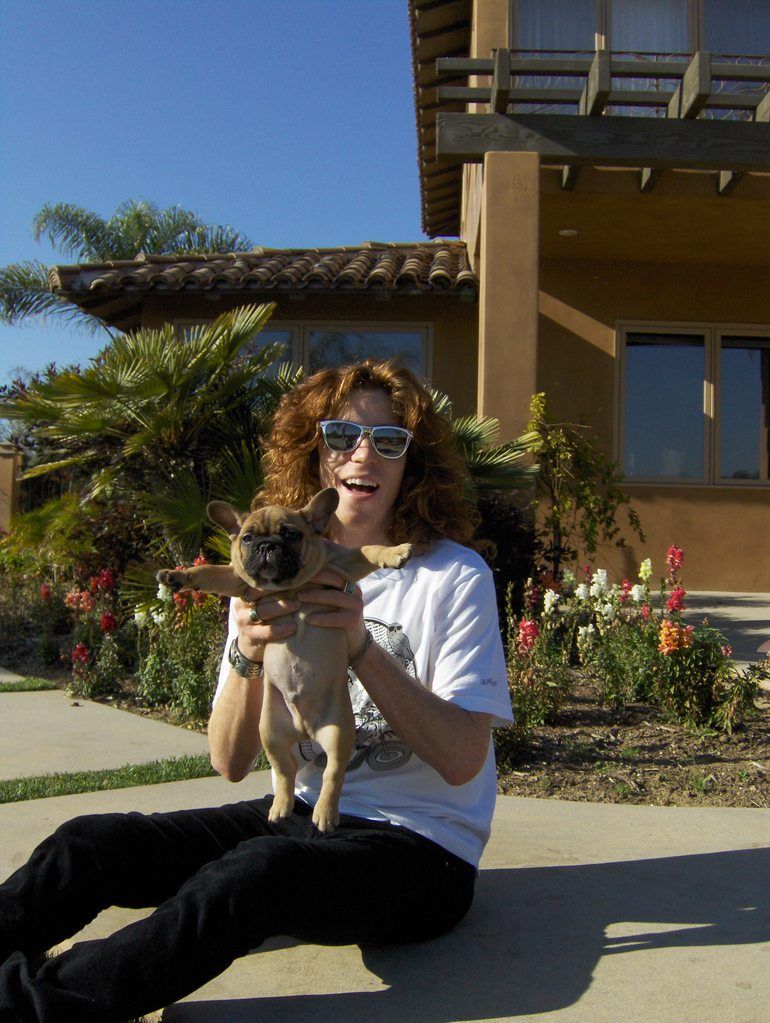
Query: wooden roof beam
x=593, y=100
x=606, y=141
x=729, y=179
x=689, y=98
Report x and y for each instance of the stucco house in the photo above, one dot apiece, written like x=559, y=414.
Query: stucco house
x=596, y=174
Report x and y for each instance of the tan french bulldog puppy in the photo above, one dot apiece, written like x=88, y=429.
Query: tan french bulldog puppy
x=305, y=679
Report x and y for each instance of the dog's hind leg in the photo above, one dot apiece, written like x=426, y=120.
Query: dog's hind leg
x=278, y=735
x=336, y=738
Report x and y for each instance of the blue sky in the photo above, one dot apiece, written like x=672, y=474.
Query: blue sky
x=291, y=120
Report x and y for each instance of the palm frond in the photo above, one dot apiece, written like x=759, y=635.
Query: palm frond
x=238, y=476
x=78, y=232
x=177, y=508
x=24, y=293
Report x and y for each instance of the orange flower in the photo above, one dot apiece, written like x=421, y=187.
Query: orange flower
x=673, y=637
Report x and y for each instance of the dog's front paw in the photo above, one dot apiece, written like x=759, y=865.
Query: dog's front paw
x=398, y=556
x=175, y=579
x=281, y=808
x=325, y=816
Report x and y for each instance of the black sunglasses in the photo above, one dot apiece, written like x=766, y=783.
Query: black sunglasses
x=342, y=436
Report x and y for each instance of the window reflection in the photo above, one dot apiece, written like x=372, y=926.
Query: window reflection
x=664, y=426
x=329, y=348
x=744, y=408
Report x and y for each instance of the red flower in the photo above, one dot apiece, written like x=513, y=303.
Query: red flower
x=625, y=591
x=108, y=622
x=528, y=633
x=201, y=559
x=182, y=600
x=674, y=559
x=80, y=655
x=646, y=612
x=676, y=601
x=72, y=599
x=46, y=592
x=86, y=601
x=104, y=582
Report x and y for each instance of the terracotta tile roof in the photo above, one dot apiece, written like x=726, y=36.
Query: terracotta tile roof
x=108, y=289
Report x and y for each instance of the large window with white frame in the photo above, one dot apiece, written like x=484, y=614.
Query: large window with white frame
x=318, y=345
x=694, y=404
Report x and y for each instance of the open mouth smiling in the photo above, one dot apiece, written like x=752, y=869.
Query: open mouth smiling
x=361, y=485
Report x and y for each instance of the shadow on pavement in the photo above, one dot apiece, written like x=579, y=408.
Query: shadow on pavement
x=534, y=938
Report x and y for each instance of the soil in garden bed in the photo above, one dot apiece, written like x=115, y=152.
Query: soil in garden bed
x=591, y=753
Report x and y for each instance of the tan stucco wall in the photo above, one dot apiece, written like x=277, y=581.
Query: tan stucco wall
x=454, y=324
x=722, y=529
x=508, y=299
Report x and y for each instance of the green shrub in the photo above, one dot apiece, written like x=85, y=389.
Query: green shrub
x=179, y=652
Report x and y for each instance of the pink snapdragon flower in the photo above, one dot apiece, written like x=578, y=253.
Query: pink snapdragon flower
x=528, y=633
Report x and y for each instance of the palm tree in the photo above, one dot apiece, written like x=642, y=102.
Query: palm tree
x=161, y=422
x=79, y=234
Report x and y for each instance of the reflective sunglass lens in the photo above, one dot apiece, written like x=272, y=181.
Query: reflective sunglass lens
x=390, y=443
x=342, y=436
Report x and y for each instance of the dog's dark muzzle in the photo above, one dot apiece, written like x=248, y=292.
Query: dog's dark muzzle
x=271, y=561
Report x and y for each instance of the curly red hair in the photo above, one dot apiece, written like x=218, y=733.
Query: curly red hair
x=430, y=504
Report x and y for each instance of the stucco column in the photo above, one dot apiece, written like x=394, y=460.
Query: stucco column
x=508, y=299
x=10, y=487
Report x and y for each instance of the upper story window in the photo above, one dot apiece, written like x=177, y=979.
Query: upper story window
x=730, y=27
x=695, y=404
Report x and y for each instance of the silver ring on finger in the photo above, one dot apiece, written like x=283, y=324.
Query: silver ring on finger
x=254, y=615
x=349, y=588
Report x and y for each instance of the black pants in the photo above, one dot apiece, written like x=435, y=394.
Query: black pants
x=223, y=880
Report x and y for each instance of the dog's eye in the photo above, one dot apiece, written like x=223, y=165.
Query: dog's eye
x=247, y=538
x=289, y=533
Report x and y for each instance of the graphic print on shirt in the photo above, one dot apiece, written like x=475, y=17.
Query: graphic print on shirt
x=376, y=743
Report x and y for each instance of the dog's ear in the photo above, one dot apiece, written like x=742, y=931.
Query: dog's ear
x=226, y=516
x=321, y=508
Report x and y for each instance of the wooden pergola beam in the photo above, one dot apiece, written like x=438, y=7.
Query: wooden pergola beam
x=501, y=82
x=606, y=141
x=689, y=98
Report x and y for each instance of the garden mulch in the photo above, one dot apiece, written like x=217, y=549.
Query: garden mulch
x=591, y=753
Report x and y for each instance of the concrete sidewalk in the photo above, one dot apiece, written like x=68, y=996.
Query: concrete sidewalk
x=585, y=913
x=48, y=732
x=743, y=619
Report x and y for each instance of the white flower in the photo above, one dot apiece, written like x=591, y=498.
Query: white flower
x=550, y=599
x=581, y=591
x=164, y=592
x=599, y=582
x=638, y=593
x=645, y=570
x=609, y=613
x=159, y=617
x=140, y=617
x=586, y=633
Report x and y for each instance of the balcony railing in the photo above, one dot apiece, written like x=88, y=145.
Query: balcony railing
x=638, y=84
x=536, y=90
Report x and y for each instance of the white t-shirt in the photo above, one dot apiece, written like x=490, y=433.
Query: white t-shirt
x=438, y=616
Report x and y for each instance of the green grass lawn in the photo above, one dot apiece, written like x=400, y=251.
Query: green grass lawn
x=154, y=773
x=27, y=685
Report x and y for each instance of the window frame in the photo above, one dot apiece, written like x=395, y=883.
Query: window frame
x=300, y=330
x=603, y=24
x=712, y=334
